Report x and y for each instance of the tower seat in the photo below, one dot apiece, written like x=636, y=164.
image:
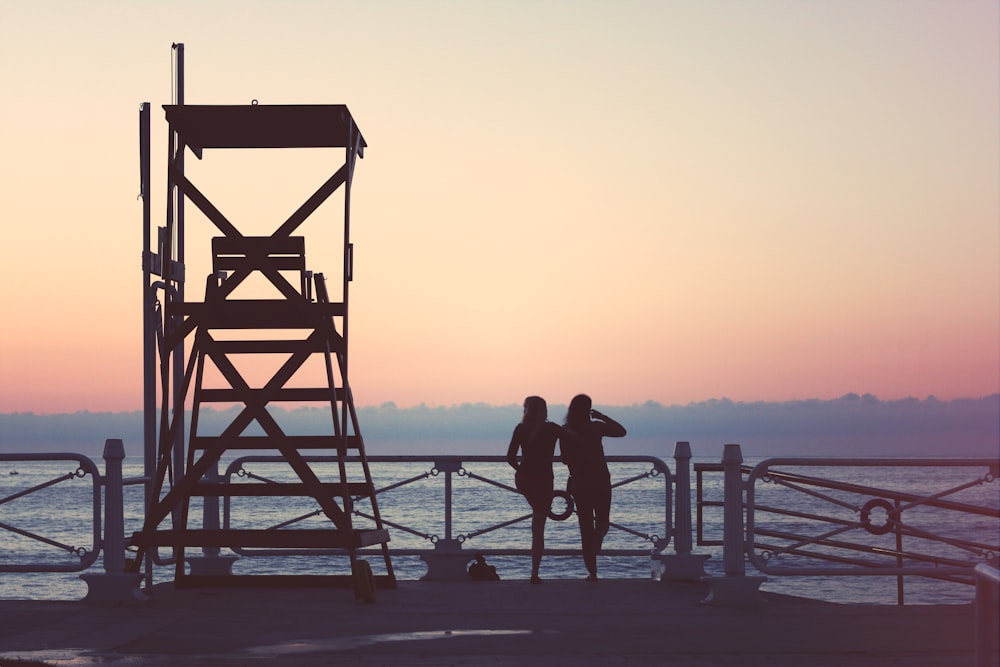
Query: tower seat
x=256, y=313
x=258, y=253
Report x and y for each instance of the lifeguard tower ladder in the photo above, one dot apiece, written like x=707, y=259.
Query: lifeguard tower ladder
x=299, y=324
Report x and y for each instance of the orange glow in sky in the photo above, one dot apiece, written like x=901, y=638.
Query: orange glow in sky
x=668, y=201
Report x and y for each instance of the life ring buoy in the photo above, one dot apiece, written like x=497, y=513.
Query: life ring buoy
x=891, y=516
x=565, y=514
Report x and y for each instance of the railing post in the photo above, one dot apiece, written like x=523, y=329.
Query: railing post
x=114, y=584
x=448, y=560
x=735, y=588
x=987, y=592
x=732, y=525
x=114, y=501
x=682, y=498
x=682, y=565
x=211, y=563
x=448, y=470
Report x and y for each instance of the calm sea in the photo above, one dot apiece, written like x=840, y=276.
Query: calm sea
x=51, y=526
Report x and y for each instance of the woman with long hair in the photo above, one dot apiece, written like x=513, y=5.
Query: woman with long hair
x=535, y=437
x=590, y=480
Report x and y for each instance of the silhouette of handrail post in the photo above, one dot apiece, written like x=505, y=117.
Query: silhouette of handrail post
x=682, y=565
x=211, y=562
x=114, y=585
x=734, y=588
x=987, y=593
x=448, y=561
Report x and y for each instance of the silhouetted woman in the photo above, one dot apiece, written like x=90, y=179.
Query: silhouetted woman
x=590, y=480
x=535, y=437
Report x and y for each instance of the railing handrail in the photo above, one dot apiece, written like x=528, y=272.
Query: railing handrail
x=454, y=464
x=449, y=464
x=943, y=569
x=85, y=466
x=416, y=458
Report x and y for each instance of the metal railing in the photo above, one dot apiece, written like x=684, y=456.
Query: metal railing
x=704, y=503
x=55, y=544
x=817, y=524
x=802, y=519
x=457, y=538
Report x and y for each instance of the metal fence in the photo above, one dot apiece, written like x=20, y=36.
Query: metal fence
x=934, y=518
x=465, y=508
x=54, y=553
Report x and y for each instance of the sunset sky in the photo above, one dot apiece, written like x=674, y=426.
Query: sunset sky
x=664, y=200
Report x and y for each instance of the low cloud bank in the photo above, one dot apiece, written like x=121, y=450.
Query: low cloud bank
x=851, y=426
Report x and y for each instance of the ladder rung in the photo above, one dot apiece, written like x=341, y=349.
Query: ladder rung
x=256, y=313
x=382, y=581
x=330, y=489
x=289, y=394
x=305, y=539
x=287, y=346
x=235, y=263
x=271, y=442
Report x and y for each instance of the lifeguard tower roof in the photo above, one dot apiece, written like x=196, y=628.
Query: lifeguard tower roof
x=265, y=126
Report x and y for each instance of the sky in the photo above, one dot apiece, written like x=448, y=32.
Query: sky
x=644, y=201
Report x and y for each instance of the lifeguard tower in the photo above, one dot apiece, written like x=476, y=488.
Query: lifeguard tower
x=205, y=353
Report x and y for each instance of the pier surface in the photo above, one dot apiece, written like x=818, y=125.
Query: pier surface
x=561, y=622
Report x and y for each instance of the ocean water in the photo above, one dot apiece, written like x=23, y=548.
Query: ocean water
x=53, y=527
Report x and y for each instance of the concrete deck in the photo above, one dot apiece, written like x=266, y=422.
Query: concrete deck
x=608, y=623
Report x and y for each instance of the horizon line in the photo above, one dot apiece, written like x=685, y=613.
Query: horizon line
x=930, y=398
